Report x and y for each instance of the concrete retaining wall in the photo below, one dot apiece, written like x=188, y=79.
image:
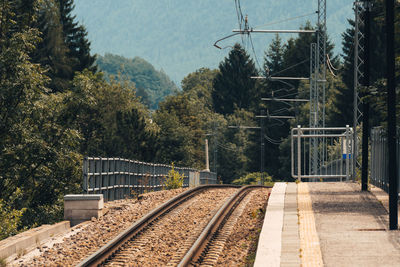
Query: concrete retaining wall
x=28, y=240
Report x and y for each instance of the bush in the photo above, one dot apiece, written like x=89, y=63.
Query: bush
x=174, y=179
x=9, y=220
x=253, y=178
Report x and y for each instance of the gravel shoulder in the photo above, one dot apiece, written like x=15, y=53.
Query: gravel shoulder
x=241, y=245
x=87, y=237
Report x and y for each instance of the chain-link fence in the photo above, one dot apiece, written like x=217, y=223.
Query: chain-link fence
x=118, y=178
x=380, y=160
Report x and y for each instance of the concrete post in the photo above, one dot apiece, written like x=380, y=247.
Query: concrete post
x=207, y=161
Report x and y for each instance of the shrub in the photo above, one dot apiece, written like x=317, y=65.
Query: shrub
x=9, y=220
x=253, y=178
x=174, y=179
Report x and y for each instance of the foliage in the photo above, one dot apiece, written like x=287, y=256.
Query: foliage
x=75, y=38
x=10, y=220
x=253, y=178
x=55, y=109
x=377, y=90
x=291, y=60
x=233, y=86
x=44, y=132
x=64, y=48
x=174, y=179
x=110, y=118
x=152, y=85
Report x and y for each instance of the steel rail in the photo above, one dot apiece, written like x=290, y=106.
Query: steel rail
x=216, y=223
x=113, y=246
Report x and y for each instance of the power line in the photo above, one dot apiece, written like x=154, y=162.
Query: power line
x=254, y=51
x=288, y=19
x=288, y=68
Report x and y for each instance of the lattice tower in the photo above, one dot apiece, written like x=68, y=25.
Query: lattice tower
x=359, y=40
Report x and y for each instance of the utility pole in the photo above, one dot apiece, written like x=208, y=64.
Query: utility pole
x=365, y=131
x=391, y=116
x=207, y=162
x=215, y=148
x=262, y=147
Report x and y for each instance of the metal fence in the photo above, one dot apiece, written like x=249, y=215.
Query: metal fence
x=379, y=158
x=322, y=153
x=118, y=178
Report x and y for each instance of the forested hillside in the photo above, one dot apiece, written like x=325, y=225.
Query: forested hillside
x=151, y=85
x=178, y=35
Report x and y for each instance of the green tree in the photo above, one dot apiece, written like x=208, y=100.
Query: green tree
x=181, y=132
x=52, y=52
x=110, y=118
x=152, y=85
x=38, y=154
x=75, y=38
x=65, y=48
x=233, y=86
x=234, y=147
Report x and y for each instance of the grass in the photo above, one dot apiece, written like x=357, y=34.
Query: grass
x=3, y=262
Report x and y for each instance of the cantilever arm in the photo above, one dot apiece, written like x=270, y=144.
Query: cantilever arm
x=226, y=37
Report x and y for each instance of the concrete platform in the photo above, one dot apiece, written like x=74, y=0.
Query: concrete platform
x=327, y=224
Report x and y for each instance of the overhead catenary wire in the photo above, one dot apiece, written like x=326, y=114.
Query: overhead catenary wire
x=239, y=14
x=330, y=70
x=285, y=20
x=254, y=52
x=330, y=62
x=288, y=68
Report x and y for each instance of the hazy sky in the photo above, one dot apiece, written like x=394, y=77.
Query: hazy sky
x=178, y=35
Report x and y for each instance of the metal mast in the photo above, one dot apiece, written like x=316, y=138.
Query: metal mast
x=359, y=38
x=321, y=55
x=314, y=114
x=317, y=87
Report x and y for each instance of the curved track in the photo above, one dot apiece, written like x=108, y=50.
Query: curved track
x=107, y=252
x=210, y=243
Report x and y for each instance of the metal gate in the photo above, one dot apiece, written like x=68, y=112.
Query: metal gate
x=319, y=154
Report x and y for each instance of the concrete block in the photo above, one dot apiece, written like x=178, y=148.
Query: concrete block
x=80, y=208
x=83, y=204
x=82, y=214
x=95, y=201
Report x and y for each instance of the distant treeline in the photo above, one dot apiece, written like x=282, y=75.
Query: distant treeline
x=151, y=85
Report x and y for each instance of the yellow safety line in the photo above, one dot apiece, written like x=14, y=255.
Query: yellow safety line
x=309, y=241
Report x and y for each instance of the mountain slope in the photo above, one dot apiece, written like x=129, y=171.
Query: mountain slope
x=152, y=85
x=178, y=35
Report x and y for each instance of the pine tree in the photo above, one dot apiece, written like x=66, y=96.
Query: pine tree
x=75, y=38
x=233, y=86
x=64, y=49
x=52, y=52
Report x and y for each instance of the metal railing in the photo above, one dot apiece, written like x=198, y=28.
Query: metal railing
x=322, y=153
x=118, y=178
x=379, y=158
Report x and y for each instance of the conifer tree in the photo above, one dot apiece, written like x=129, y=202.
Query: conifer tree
x=75, y=38
x=64, y=49
x=52, y=52
x=233, y=86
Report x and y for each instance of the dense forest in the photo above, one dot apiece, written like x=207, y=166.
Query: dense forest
x=57, y=107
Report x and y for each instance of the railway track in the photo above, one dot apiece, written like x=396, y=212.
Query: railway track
x=210, y=243
x=134, y=235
